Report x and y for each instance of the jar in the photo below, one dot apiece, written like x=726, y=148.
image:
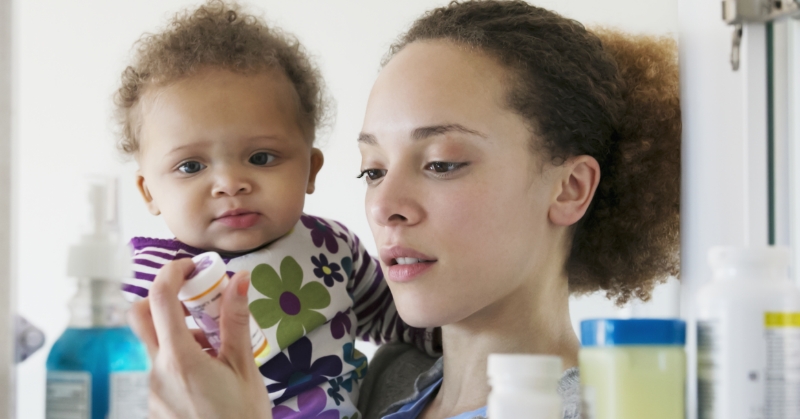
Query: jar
x=633, y=368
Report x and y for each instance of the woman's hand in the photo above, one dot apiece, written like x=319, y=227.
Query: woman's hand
x=186, y=381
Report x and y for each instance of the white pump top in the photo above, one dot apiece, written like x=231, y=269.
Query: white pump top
x=100, y=253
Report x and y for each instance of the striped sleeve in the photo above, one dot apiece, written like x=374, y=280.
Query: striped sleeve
x=378, y=320
x=149, y=255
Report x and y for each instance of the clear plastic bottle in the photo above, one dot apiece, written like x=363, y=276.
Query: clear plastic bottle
x=748, y=337
x=98, y=368
x=524, y=386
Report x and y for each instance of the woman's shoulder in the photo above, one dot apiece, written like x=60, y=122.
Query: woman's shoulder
x=569, y=388
x=399, y=372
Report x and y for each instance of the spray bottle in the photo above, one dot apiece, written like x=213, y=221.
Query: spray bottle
x=98, y=369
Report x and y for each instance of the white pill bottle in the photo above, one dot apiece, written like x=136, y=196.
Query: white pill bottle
x=202, y=296
x=524, y=386
x=748, y=336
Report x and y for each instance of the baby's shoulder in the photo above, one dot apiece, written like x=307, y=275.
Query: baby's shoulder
x=327, y=234
x=166, y=249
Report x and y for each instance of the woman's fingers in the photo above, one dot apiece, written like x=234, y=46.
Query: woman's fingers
x=167, y=311
x=141, y=321
x=234, y=319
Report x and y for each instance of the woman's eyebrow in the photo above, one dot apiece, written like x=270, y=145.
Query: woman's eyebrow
x=426, y=132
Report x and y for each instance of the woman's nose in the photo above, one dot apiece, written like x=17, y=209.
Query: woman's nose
x=230, y=182
x=395, y=202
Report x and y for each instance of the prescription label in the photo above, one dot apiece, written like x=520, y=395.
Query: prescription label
x=782, y=374
x=128, y=395
x=69, y=395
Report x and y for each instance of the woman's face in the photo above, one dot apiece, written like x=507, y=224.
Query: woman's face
x=457, y=201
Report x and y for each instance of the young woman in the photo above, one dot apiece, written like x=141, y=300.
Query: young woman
x=513, y=158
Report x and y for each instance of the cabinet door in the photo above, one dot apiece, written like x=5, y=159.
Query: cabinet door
x=6, y=339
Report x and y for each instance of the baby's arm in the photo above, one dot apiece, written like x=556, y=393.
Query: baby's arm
x=378, y=320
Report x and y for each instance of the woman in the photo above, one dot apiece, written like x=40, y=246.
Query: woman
x=512, y=158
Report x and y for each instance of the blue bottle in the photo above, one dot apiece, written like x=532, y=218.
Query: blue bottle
x=98, y=369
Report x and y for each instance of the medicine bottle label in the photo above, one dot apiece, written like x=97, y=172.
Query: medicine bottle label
x=69, y=395
x=760, y=374
x=782, y=332
x=128, y=395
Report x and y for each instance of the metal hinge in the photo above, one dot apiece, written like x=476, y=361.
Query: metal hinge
x=738, y=12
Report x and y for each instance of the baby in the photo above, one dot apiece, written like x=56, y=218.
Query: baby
x=220, y=113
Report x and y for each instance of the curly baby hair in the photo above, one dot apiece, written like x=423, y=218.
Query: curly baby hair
x=218, y=34
x=603, y=93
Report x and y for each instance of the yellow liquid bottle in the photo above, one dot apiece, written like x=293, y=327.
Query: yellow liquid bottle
x=633, y=369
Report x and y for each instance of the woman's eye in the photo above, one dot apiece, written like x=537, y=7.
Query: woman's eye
x=261, y=159
x=444, y=167
x=191, y=167
x=372, y=174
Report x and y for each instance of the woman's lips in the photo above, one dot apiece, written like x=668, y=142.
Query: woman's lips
x=237, y=219
x=405, y=264
x=407, y=273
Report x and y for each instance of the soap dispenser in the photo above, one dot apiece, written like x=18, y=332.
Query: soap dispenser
x=98, y=369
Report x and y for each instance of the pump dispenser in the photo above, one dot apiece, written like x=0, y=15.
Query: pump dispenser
x=98, y=368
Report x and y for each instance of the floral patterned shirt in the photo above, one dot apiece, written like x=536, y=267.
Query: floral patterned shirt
x=313, y=292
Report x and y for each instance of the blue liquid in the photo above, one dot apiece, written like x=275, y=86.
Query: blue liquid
x=99, y=351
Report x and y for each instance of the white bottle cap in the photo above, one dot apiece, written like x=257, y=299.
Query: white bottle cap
x=525, y=365
x=753, y=263
x=100, y=254
x=209, y=269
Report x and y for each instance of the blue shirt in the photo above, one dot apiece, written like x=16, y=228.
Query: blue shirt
x=412, y=409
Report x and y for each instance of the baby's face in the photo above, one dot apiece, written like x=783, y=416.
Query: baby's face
x=224, y=160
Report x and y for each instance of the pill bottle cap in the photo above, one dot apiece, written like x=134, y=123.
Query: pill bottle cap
x=524, y=365
x=209, y=269
x=619, y=332
x=750, y=263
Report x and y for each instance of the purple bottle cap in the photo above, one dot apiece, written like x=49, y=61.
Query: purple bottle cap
x=209, y=269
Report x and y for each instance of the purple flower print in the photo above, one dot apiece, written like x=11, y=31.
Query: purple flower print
x=310, y=405
x=321, y=232
x=340, y=324
x=295, y=373
x=327, y=271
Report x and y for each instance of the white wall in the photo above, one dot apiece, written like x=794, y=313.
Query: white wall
x=70, y=54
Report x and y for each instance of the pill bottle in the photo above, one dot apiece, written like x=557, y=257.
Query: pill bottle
x=524, y=386
x=202, y=296
x=748, y=336
x=633, y=368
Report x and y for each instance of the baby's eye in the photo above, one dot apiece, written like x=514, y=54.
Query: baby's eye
x=191, y=167
x=444, y=167
x=372, y=174
x=261, y=158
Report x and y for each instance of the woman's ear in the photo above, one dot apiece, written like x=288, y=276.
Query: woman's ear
x=577, y=185
x=141, y=184
x=316, y=164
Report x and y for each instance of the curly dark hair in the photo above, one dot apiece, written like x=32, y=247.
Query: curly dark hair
x=217, y=34
x=602, y=93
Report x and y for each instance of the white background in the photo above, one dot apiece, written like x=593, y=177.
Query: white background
x=67, y=59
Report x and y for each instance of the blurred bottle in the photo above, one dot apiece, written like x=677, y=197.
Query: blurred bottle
x=98, y=368
x=748, y=336
x=524, y=386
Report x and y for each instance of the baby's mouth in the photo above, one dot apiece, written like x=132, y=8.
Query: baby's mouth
x=238, y=219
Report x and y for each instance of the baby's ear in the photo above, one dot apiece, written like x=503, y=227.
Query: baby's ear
x=576, y=187
x=316, y=164
x=141, y=183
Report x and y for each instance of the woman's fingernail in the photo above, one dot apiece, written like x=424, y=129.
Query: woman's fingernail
x=243, y=286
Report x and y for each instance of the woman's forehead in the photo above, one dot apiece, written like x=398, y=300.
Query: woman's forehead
x=434, y=83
